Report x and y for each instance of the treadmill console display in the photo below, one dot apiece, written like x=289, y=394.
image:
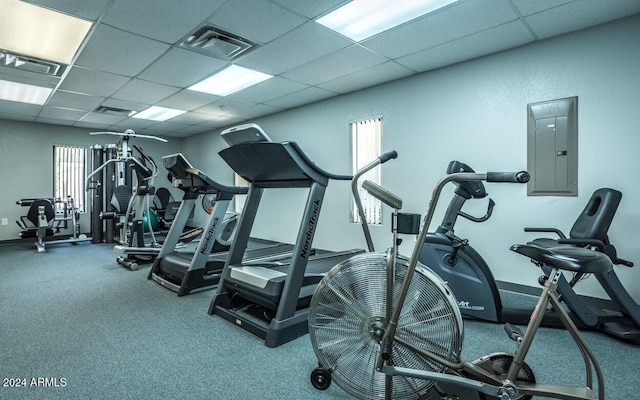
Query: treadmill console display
x=177, y=165
x=246, y=133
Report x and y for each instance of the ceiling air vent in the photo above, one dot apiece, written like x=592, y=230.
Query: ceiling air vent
x=217, y=43
x=30, y=64
x=114, y=111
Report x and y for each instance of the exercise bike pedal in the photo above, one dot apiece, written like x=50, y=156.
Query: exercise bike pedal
x=513, y=332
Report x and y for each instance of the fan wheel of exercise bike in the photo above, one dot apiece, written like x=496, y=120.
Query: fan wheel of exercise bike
x=347, y=318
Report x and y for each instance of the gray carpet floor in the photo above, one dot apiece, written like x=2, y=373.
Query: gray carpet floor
x=76, y=318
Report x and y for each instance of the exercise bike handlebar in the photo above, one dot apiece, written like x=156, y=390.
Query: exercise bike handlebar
x=388, y=156
x=484, y=218
x=508, y=177
x=383, y=158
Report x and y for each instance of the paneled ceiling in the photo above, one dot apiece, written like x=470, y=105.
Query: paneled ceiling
x=132, y=58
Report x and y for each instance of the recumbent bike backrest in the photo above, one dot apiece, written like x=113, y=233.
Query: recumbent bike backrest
x=595, y=219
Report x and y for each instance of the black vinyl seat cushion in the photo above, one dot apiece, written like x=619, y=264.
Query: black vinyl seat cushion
x=568, y=258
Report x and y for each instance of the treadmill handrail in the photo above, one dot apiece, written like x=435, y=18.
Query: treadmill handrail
x=218, y=187
x=315, y=166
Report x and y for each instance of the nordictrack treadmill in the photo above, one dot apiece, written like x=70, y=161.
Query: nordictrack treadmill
x=186, y=272
x=271, y=300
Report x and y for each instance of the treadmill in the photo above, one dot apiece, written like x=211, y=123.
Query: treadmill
x=186, y=272
x=271, y=299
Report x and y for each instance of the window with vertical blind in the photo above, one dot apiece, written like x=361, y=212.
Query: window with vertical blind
x=239, y=199
x=366, y=144
x=69, y=174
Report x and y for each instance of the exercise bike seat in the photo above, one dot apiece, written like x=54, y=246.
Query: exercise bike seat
x=568, y=258
x=591, y=226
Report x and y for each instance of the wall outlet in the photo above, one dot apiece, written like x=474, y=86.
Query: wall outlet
x=5, y=221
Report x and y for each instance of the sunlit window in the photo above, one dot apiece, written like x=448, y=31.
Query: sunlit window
x=366, y=143
x=239, y=199
x=68, y=174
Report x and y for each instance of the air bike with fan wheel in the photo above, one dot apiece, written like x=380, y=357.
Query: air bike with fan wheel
x=384, y=326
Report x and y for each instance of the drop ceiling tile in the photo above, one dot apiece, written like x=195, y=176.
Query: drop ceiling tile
x=182, y=68
x=28, y=77
x=298, y=47
x=89, y=81
x=528, y=7
x=342, y=62
x=260, y=110
x=14, y=107
x=256, y=111
x=112, y=50
x=311, y=9
x=146, y=92
x=305, y=96
x=225, y=106
x=103, y=119
x=132, y=123
x=77, y=101
x=164, y=20
x=257, y=20
x=17, y=117
x=90, y=10
x=453, y=22
x=54, y=121
x=503, y=37
x=192, y=118
x=92, y=126
x=268, y=90
x=184, y=132
x=227, y=121
x=188, y=100
x=579, y=15
x=165, y=126
x=219, y=122
x=211, y=111
x=61, y=114
x=368, y=77
x=125, y=105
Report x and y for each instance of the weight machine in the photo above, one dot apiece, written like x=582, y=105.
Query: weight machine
x=128, y=207
x=47, y=217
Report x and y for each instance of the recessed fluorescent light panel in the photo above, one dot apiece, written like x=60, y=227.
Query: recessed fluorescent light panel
x=23, y=93
x=361, y=19
x=38, y=32
x=156, y=113
x=230, y=80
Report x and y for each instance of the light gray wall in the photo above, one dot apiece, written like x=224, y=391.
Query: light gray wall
x=26, y=162
x=476, y=112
